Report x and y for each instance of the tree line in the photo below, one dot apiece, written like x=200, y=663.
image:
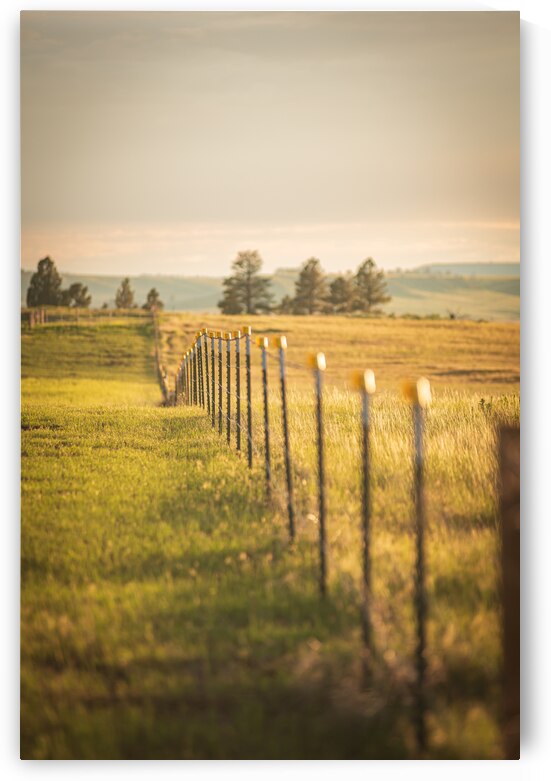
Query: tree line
x=247, y=291
x=45, y=290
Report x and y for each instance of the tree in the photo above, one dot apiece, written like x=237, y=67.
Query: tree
x=341, y=293
x=231, y=302
x=45, y=285
x=370, y=287
x=153, y=300
x=76, y=295
x=245, y=291
x=125, y=295
x=286, y=305
x=311, y=294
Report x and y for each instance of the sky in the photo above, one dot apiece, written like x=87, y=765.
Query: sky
x=167, y=142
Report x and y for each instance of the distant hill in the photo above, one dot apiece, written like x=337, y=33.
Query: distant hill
x=472, y=269
x=435, y=289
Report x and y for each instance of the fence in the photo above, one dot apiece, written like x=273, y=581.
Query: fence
x=40, y=315
x=208, y=376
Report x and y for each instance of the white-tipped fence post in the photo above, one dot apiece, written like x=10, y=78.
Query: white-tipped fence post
x=281, y=343
x=364, y=382
x=212, y=335
x=262, y=342
x=419, y=394
x=227, y=337
x=247, y=330
x=316, y=362
x=237, y=336
x=220, y=384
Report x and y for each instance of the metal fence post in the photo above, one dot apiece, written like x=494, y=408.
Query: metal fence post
x=219, y=334
x=195, y=376
x=184, y=378
x=262, y=342
x=213, y=378
x=188, y=374
x=364, y=382
x=418, y=393
x=247, y=330
x=200, y=370
x=281, y=344
x=207, y=378
x=237, y=336
x=227, y=337
x=317, y=363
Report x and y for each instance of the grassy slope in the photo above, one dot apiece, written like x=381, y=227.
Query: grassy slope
x=164, y=616
x=481, y=358
x=488, y=297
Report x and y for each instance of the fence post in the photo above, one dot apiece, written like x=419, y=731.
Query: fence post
x=281, y=344
x=247, y=330
x=317, y=363
x=227, y=337
x=509, y=512
x=418, y=393
x=220, y=388
x=207, y=378
x=262, y=342
x=213, y=378
x=195, y=394
x=237, y=336
x=184, y=380
x=190, y=377
x=200, y=370
x=185, y=376
x=364, y=382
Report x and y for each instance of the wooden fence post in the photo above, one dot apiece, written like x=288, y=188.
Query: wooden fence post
x=509, y=511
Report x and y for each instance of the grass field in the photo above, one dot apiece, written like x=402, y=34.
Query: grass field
x=163, y=614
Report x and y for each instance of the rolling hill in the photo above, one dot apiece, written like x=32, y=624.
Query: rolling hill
x=479, y=291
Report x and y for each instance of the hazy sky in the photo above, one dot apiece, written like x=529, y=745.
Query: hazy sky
x=166, y=142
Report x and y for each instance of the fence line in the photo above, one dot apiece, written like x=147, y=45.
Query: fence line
x=417, y=393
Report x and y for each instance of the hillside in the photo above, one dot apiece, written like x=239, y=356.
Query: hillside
x=477, y=294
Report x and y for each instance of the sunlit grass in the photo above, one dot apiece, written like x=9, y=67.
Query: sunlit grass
x=163, y=613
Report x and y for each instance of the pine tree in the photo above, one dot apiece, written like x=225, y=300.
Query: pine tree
x=76, y=295
x=45, y=285
x=153, y=300
x=285, y=306
x=370, y=287
x=341, y=293
x=124, y=298
x=246, y=291
x=231, y=302
x=311, y=293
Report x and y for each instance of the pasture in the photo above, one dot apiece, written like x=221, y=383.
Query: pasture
x=163, y=614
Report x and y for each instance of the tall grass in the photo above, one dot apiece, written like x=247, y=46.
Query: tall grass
x=163, y=612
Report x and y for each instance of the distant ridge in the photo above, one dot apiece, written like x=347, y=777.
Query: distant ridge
x=472, y=269
x=490, y=291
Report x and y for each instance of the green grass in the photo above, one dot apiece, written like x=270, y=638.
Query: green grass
x=165, y=616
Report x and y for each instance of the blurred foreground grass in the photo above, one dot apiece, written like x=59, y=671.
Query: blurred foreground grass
x=163, y=614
